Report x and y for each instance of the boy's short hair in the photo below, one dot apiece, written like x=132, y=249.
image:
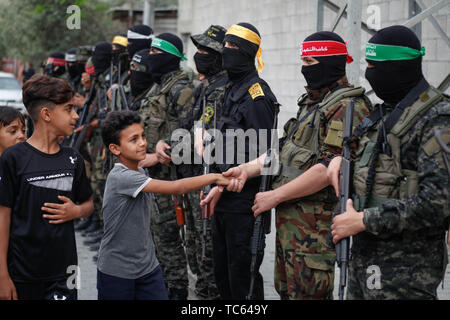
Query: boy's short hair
x=114, y=123
x=42, y=90
x=8, y=115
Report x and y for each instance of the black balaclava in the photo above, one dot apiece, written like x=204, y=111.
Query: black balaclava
x=392, y=80
x=141, y=79
x=208, y=64
x=49, y=68
x=101, y=57
x=165, y=62
x=73, y=67
x=139, y=38
x=240, y=62
x=329, y=69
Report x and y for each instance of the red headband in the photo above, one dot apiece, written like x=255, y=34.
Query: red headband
x=90, y=70
x=56, y=61
x=324, y=48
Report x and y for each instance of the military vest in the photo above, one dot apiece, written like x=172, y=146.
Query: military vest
x=391, y=181
x=300, y=147
x=155, y=110
x=212, y=96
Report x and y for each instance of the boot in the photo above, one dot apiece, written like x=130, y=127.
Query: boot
x=83, y=223
x=94, y=226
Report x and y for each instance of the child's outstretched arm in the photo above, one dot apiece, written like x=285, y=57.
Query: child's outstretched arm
x=185, y=185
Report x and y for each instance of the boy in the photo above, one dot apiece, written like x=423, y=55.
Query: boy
x=127, y=265
x=12, y=127
x=43, y=187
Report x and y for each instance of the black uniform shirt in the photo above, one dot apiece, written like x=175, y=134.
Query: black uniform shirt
x=248, y=104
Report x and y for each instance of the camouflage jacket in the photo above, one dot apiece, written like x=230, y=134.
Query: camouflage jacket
x=166, y=107
x=316, y=134
x=405, y=226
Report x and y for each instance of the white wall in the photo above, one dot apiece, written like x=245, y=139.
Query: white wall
x=284, y=24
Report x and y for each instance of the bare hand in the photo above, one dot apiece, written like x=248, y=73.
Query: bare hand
x=109, y=92
x=149, y=161
x=86, y=80
x=239, y=177
x=222, y=181
x=78, y=100
x=265, y=201
x=333, y=170
x=162, y=156
x=7, y=288
x=211, y=200
x=347, y=223
x=61, y=213
x=198, y=141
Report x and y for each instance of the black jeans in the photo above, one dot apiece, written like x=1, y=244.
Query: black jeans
x=232, y=235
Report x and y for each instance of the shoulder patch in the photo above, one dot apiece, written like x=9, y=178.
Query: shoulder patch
x=256, y=91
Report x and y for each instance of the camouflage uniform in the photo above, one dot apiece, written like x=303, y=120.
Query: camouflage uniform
x=167, y=103
x=304, y=265
x=211, y=92
x=404, y=241
x=96, y=147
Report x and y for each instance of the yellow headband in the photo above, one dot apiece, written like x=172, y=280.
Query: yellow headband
x=120, y=40
x=249, y=35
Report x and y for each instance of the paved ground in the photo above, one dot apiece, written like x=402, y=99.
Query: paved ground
x=88, y=273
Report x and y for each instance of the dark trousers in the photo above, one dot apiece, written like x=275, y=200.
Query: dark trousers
x=232, y=235
x=49, y=290
x=148, y=287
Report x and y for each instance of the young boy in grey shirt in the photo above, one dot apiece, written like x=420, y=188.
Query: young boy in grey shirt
x=127, y=265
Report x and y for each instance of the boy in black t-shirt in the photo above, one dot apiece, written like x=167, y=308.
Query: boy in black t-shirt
x=43, y=187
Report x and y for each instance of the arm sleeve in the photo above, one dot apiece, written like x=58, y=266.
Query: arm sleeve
x=8, y=181
x=82, y=190
x=430, y=207
x=131, y=182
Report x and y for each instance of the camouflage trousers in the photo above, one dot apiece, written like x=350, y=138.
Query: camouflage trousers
x=98, y=177
x=304, y=266
x=168, y=244
x=400, y=276
x=205, y=287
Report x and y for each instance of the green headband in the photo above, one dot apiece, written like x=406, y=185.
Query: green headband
x=383, y=52
x=167, y=47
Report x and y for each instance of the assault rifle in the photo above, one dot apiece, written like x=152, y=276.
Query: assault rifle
x=123, y=100
x=178, y=203
x=87, y=114
x=343, y=246
x=207, y=143
x=262, y=224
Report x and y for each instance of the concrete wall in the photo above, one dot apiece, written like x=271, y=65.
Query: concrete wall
x=283, y=24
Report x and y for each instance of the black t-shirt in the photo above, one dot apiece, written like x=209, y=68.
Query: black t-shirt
x=39, y=250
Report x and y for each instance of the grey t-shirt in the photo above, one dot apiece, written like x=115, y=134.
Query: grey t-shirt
x=126, y=250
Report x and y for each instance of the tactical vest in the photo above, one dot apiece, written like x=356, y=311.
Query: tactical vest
x=214, y=95
x=156, y=113
x=391, y=181
x=300, y=147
